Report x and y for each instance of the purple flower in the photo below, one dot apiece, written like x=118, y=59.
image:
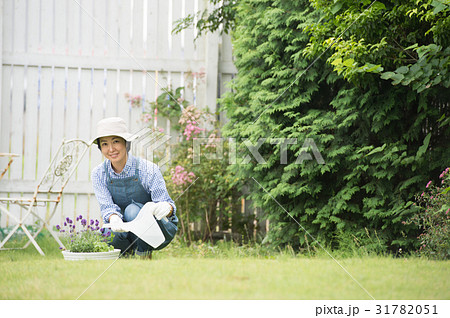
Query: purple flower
x=60, y=247
x=97, y=228
x=96, y=223
x=65, y=224
x=58, y=227
x=83, y=222
x=67, y=219
x=92, y=222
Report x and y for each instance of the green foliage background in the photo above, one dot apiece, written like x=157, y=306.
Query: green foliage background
x=368, y=82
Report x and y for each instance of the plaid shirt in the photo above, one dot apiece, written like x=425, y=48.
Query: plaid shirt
x=149, y=174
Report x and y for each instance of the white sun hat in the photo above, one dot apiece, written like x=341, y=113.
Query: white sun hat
x=113, y=126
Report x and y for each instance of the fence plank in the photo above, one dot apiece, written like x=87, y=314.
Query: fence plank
x=112, y=28
x=188, y=35
x=47, y=27
x=162, y=36
x=44, y=113
x=86, y=30
x=31, y=121
x=84, y=133
x=137, y=24
x=112, y=101
x=73, y=13
x=99, y=31
x=124, y=87
x=33, y=17
x=6, y=109
x=152, y=29
x=72, y=109
x=8, y=25
x=17, y=101
x=60, y=27
x=176, y=39
x=96, y=115
x=136, y=90
x=125, y=28
x=57, y=125
x=20, y=7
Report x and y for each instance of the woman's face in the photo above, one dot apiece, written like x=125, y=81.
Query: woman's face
x=114, y=148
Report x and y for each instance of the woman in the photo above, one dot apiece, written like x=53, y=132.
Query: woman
x=124, y=183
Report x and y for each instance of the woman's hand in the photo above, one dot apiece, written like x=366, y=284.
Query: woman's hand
x=162, y=209
x=116, y=223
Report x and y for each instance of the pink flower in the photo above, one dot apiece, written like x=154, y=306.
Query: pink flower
x=146, y=117
x=192, y=130
x=428, y=184
x=180, y=177
x=442, y=175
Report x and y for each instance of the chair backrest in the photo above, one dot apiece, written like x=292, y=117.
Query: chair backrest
x=62, y=166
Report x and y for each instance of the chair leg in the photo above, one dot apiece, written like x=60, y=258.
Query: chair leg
x=52, y=234
x=34, y=237
x=32, y=240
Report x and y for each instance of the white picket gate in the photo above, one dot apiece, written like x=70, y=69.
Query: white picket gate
x=68, y=63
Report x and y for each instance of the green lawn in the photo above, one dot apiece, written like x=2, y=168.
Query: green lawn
x=179, y=273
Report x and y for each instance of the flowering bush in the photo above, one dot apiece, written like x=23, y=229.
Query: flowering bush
x=204, y=191
x=85, y=237
x=434, y=218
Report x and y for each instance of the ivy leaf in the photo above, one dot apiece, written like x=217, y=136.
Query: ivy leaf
x=438, y=6
x=397, y=78
x=423, y=148
x=349, y=62
x=374, y=68
x=378, y=149
x=336, y=8
x=387, y=75
x=402, y=70
x=336, y=62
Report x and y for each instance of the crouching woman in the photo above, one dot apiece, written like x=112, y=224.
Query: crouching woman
x=123, y=184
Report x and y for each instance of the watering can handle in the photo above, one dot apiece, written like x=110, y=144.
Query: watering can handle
x=108, y=225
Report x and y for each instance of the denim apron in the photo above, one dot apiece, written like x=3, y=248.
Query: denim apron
x=130, y=190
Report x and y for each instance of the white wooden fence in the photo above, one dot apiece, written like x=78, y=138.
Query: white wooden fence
x=66, y=64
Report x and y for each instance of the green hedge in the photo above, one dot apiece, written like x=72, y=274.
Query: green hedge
x=379, y=141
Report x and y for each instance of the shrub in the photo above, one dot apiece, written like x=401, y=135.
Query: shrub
x=433, y=218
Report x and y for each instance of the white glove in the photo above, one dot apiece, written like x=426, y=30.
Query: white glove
x=161, y=209
x=116, y=223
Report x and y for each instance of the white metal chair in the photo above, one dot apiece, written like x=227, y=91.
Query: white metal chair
x=48, y=191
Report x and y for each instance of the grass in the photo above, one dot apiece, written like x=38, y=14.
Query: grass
x=220, y=272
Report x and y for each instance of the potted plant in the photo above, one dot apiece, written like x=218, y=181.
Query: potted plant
x=85, y=240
